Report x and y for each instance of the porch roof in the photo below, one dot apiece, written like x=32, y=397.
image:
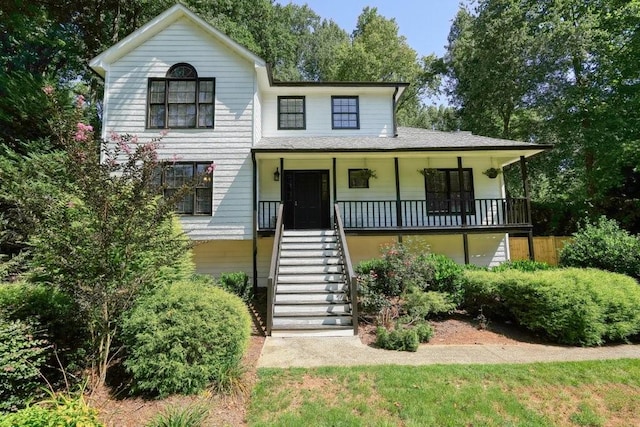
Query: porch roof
x=408, y=139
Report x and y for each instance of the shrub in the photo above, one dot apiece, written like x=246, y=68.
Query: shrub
x=523, y=265
x=183, y=337
x=424, y=332
x=605, y=246
x=447, y=276
x=237, y=284
x=21, y=357
x=370, y=299
x=60, y=410
x=191, y=416
x=56, y=316
x=571, y=306
x=482, y=293
x=400, y=338
x=420, y=305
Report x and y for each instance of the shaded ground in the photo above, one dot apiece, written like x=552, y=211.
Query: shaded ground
x=231, y=410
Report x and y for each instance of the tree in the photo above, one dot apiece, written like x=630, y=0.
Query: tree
x=560, y=72
x=109, y=238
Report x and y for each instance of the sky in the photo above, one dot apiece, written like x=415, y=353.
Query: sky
x=425, y=23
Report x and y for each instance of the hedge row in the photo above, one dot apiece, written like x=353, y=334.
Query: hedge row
x=571, y=306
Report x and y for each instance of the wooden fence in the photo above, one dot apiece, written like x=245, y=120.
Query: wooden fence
x=545, y=248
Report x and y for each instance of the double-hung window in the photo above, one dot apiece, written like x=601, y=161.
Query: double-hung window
x=181, y=99
x=446, y=193
x=345, y=112
x=193, y=184
x=291, y=112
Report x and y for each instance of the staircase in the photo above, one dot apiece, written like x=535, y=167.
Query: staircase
x=311, y=294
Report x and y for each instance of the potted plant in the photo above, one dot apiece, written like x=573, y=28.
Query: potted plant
x=492, y=172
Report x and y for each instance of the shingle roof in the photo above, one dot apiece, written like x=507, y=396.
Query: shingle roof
x=408, y=139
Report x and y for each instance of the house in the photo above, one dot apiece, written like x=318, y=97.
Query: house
x=311, y=177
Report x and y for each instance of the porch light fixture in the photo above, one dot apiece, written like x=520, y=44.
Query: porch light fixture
x=276, y=175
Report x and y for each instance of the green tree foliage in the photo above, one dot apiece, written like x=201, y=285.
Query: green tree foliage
x=558, y=72
x=106, y=240
x=603, y=245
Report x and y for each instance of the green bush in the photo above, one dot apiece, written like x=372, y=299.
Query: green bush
x=56, y=315
x=191, y=416
x=482, y=293
x=184, y=337
x=424, y=332
x=59, y=411
x=447, y=276
x=523, y=265
x=401, y=339
x=21, y=358
x=571, y=306
x=237, y=284
x=605, y=246
x=421, y=305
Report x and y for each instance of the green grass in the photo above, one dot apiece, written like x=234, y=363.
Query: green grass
x=552, y=394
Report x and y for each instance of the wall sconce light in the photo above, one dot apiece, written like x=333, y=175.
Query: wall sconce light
x=276, y=175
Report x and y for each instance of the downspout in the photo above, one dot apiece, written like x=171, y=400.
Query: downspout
x=395, y=118
x=255, y=222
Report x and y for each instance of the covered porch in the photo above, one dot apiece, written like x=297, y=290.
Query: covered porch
x=419, y=183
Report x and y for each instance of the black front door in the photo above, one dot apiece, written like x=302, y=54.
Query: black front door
x=306, y=199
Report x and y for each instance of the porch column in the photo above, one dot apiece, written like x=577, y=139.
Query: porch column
x=465, y=245
x=398, y=199
x=281, y=179
x=255, y=222
x=527, y=196
x=463, y=204
x=335, y=183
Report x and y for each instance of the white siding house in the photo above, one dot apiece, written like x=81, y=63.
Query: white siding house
x=301, y=144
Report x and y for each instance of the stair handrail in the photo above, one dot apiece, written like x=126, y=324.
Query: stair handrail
x=352, y=281
x=272, y=280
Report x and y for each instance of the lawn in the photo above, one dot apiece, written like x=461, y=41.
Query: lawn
x=600, y=393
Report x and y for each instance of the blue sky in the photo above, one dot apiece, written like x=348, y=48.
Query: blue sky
x=425, y=23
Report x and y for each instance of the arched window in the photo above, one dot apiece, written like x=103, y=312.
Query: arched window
x=181, y=99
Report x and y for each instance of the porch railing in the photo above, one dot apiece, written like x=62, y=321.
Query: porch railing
x=272, y=280
x=350, y=275
x=380, y=214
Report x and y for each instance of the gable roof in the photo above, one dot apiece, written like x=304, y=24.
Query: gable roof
x=101, y=62
x=408, y=139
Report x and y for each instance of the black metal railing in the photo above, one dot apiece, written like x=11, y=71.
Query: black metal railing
x=267, y=214
x=381, y=214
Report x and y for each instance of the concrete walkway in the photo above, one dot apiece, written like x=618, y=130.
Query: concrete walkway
x=310, y=352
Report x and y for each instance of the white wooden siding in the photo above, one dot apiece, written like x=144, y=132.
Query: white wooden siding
x=228, y=144
x=376, y=115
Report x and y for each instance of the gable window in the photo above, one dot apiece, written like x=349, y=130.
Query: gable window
x=444, y=194
x=198, y=199
x=181, y=99
x=345, y=112
x=291, y=114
